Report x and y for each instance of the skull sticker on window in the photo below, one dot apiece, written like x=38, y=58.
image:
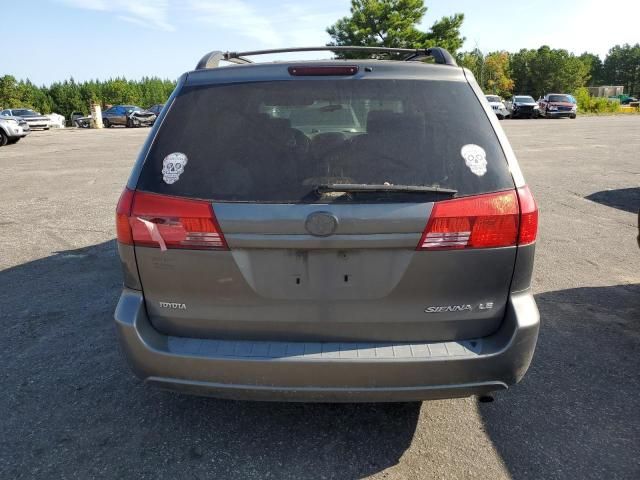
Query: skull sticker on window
x=173, y=166
x=475, y=158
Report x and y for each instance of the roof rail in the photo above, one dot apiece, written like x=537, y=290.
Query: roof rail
x=440, y=55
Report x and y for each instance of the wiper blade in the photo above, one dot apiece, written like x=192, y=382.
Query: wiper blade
x=363, y=187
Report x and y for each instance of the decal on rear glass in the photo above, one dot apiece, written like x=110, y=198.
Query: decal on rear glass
x=475, y=158
x=173, y=166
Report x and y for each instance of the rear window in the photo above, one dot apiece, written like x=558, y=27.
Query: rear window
x=559, y=98
x=277, y=141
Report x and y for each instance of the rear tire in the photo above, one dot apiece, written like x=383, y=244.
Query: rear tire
x=106, y=123
x=11, y=141
x=128, y=124
x=3, y=138
x=573, y=117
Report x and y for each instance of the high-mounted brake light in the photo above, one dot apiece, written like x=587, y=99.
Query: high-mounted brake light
x=151, y=220
x=321, y=71
x=491, y=220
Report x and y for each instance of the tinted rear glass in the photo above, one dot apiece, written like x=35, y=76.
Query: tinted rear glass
x=277, y=141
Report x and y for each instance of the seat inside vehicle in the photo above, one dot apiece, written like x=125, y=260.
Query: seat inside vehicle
x=387, y=151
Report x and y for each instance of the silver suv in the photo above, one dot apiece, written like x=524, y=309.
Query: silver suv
x=12, y=129
x=274, y=247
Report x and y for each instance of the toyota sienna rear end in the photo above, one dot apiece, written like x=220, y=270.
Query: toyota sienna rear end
x=342, y=230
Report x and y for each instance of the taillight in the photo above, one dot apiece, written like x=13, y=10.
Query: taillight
x=528, y=217
x=480, y=221
x=491, y=220
x=123, y=230
x=168, y=222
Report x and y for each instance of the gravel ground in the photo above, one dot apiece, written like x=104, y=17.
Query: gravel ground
x=70, y=407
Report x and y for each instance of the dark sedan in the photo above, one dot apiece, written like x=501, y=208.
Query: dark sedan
x=128, y=116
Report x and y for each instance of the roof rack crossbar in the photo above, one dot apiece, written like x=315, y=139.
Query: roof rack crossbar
x=440, y=55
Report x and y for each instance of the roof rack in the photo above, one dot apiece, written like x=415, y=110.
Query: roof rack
x=440, y=55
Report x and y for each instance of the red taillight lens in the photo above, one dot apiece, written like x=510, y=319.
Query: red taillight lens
x=321, y=71
x=169, y=222
x=499, y=219
x=528, y=217
x=123, y=230
x=481, y=221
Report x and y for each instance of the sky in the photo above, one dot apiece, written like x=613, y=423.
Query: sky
x=51, y=40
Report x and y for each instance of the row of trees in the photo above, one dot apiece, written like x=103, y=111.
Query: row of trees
x=394, y=23
x=388, y=23
x=71, y=96
x=536, y=72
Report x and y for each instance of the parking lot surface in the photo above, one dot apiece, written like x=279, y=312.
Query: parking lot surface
x=70, y=407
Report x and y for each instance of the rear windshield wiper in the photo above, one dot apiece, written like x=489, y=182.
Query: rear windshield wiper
x=363, y=187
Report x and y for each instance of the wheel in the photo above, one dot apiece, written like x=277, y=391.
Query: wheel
x=3, y=138
x=573, y=117
x=128, y=124
x=106, y=123
x=47, y=128
x=11, y=141
x=500, y=117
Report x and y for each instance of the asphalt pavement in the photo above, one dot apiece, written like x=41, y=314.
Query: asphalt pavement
x=71, y=408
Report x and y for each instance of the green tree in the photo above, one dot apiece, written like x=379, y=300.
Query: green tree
x=492, y=71
x=474, y=61
x=393, y=23
x=67, y=97
x=593, y=62
x=70, y=96
x=622, y=67
x=536, y=72
x=9, y=92
x=496, y=76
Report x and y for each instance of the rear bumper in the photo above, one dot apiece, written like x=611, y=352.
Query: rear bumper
x=39, y=124
x=556, y=113
x=329, y=372
x=524, y=113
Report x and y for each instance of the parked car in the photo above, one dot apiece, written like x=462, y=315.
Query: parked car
x=522, y=106
x=497, y=105
x=623, y=99
x=56, y=120
x=555, y=105
x=156, y=109
x=34, y=119
x=83, y=122
x=128, y=116
x=388, y=262
x=25, y=126
x=73, y=117
x=11, y=130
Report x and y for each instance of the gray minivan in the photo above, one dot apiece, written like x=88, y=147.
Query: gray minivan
x=335, y=230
